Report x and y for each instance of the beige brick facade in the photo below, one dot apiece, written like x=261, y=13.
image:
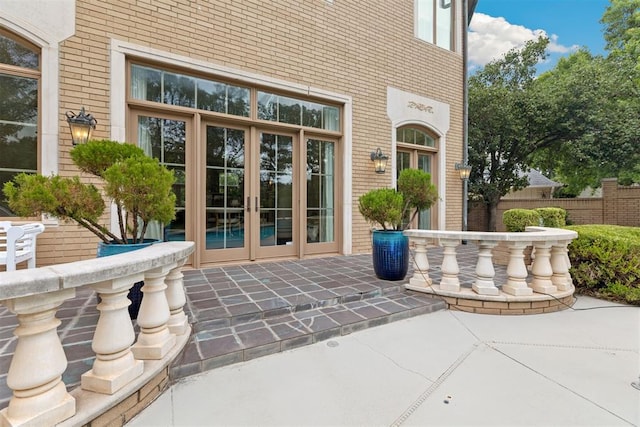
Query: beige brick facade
x=347, y=47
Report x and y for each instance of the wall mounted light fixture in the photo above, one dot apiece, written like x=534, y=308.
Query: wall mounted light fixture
x=464, y=169
x=81, y=126
x=379, y=160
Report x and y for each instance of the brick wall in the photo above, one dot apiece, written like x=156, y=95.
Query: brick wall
x=618, y=205
x=339, y=46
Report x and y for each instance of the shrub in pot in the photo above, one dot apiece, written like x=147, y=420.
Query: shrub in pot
x=392, y=211
x=138, y=186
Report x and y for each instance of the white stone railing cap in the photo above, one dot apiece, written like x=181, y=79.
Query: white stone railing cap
x=531, y=234
x=21, y=283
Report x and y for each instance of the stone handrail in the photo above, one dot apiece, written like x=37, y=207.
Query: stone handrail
x=34, y=295
x=549, y=270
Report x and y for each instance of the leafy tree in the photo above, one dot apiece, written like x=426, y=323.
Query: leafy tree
x=622, y=33
x=597, y=99
x=578, y=122
x=503, y=124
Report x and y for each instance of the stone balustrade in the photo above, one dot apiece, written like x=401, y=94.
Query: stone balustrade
x=121, y=367
x=545, y=285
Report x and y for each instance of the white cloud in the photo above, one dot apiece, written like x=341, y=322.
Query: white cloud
x=490, y=38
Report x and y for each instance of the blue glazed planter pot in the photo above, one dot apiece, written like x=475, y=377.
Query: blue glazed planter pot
x=390, y=254
x=135, y=293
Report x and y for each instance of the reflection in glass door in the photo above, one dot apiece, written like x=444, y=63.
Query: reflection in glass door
x=424, y=216
x=404, y=160
x=276, y=192
x=164, y=139
x=224, y=189
x=320, y=191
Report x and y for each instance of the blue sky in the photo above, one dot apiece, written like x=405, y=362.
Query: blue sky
x=500, y=25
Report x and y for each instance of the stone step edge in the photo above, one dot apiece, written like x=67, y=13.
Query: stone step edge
x=252, y=316
x=249, y=353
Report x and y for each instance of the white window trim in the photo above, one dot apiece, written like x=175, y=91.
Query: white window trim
x=433, y=115
x=120, y=50
x=45, y=24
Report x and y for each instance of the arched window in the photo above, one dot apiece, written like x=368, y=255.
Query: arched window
x=19, y=86
x=417, y=149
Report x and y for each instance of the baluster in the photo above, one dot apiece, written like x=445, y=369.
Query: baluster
x=178, y=322
x=115, y=365
x=154, y=339
x=485, y=272
x=450, y=269
x=541, y=269
x=560, y=267
x=420, y=264
x=35, y=375
x=568, y=262
x=517, y=270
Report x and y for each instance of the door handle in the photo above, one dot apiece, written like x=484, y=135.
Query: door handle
x=257, y=207
x=248, y=204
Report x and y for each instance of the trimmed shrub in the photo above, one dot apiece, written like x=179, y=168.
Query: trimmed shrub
x=552, y=217
x=605, y=262
x=518, y=219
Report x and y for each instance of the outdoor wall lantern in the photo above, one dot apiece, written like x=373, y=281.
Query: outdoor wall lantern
x=379, y=161
x=81, y=125
x=464, y=169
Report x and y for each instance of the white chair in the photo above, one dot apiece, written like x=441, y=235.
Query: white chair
x=18, y=244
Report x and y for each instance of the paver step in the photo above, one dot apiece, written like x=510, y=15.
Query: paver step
x=219, y=342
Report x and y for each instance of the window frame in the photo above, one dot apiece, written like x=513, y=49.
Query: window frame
x=434, y=29
x=29, y=73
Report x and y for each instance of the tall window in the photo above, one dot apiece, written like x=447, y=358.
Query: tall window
x=434, y=22
x=19, y=75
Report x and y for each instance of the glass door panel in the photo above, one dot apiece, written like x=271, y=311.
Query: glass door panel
x=415, y=159
x=320, y=191
x=164, y=139
x=277, y=216
x=224, y=194
x=424, y=216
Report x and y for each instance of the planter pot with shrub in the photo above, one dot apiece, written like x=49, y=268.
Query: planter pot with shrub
x=392, y=211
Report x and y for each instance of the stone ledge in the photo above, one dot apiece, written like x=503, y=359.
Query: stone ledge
x=504, y=304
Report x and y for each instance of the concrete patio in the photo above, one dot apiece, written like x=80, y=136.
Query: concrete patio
x=448, y=368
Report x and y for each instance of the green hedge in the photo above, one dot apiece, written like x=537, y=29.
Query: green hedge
x=518, y=219
x=605, y=262
x=552, y=217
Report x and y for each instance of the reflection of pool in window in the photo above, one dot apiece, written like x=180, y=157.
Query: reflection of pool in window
x=218, y=239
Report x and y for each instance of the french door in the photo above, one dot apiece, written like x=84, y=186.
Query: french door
x=245, y=192
x=416, y=160
x=249, y=194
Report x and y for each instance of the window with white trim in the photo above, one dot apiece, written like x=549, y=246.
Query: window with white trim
x=19, y=82
x=434, y=22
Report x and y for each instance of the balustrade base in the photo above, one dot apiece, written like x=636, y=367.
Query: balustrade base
x=178, y=324
x=60, y=412
x=420, y=282
x=503, y=304
x=156, y=349
x=518, y=289
x=483, y=288
x=113, y=383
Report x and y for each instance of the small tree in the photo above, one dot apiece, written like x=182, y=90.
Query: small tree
x=138, y=185
x=390, y=208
